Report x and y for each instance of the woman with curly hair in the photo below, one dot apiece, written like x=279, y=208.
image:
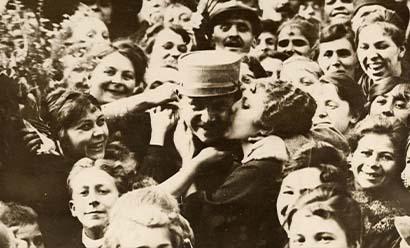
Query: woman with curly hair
x=377, y=159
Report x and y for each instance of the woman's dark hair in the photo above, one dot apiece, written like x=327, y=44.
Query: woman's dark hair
x=175, y=28
x=321, y=155
x=135, y=54
x=336, y=32
x=348, y=91
x=288, y=110
x=66, y=107
x=381, y=125
x=332, y=202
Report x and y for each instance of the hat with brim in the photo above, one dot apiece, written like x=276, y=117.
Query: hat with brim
x=235, y=9
x=209, y=73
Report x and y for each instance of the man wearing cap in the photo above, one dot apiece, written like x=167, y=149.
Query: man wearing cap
x=215, y=189
x=233, y=25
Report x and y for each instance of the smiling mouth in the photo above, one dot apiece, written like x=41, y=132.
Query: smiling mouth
x=97, y=146
x=111, y=87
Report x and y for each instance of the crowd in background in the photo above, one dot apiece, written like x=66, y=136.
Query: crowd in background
x=204, y=123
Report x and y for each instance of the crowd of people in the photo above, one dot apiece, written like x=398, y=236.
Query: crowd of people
x=204, y=123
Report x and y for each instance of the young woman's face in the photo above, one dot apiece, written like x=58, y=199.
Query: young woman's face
x=293, y=186
x=113, y=78
x=391, y=104
x=308, y=230
x=94, y=194
x=330, y=108
x=291, y=41
x=378, y=55
x=247, y=111
x=167, y=49
x=337, y=56
x=373, y=162
x=87, y=137
x=146, y=237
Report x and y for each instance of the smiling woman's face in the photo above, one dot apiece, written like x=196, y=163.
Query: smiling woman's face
x=113, y=78
x=87, y=137
x=378, y=55
x=374, y=162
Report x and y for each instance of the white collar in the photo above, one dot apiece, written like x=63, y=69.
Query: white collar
x=91, y=243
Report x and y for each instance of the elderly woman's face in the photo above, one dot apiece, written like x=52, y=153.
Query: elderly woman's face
x=94, y=194
x=337, y=56
x=87, y=137
x=373, y=162
x=113, y=78
x=392, y=104
x=322, y=232
x=378, y=55
x=168, y=47
x=147, y=237
x=292, y=41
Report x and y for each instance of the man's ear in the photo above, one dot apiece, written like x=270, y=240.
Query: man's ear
x=72, y=208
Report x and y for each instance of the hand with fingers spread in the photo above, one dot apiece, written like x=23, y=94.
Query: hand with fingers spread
x=267, y=147
x=162, y=121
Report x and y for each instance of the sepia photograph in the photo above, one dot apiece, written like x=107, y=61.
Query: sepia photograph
x=204, y=124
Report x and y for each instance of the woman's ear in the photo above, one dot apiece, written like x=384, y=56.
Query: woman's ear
x=402, y=52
